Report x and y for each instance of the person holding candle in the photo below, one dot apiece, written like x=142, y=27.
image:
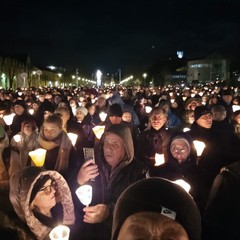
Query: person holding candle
x=155, y=208
x=42, y=200
x=182, y=164
x=214, y=155
x=21, y=144
x=61, y=156
x=4, y=177
x=235, y=142
x=153, y=140
x=71, y=126
x=114, y=169
x=21, y=114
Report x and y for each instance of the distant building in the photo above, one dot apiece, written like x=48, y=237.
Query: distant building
x=212, y=68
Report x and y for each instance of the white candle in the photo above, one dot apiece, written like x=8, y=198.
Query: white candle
x=148, y=109
x=102, y=116
x=98, y=131
x=199, y=146
x=38, y=156
x=60, y=232
x=17, y=138
x=186, y=186
x=73, y=137
x=159, y=159
x=84, y=194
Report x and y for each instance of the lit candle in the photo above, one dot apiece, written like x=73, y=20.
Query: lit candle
x=38, y=156
x=148, y=109
x=199, y=146
x=60, y=232
x=84, y=194
x=172, y=100
x=159, y=159
x=98, y=131
x=235, y=108
x=186, y=186
x=73, y=137
x=17, y=138
x=31, y=111
x=8, y=119
x=186, y=129
x=102, y=116
x=184, y=98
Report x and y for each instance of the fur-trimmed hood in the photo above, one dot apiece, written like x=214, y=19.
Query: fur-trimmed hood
x=21, y=186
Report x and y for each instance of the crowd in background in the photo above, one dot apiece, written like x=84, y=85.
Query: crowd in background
x=140, y=125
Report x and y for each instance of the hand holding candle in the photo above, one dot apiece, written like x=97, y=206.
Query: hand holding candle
x=38, y=156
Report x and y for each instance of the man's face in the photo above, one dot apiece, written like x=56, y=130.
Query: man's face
x=218, y=116
x=158, y=120
x=151, y=225
x=113, y=149
x=18, y=109
x=205, y=121
x=227, y=98
x=51, y=130
x=115, y=119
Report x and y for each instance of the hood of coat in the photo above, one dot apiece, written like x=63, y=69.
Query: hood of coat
x=183, y=135
x=21, y=186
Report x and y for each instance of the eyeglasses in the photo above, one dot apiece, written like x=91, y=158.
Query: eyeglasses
x=48, y=189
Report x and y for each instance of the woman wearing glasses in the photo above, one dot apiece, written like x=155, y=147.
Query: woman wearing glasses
x=42, y=200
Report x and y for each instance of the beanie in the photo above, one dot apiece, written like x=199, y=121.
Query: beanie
x=161, y=196
x=115, y=110
x=82, y=109
x=200, y=111
x=20, y=103
x=38, y=185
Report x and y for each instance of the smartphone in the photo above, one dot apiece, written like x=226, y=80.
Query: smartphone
x=89, y=154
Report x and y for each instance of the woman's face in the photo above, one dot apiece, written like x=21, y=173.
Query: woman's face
x=45, y=198
x=80, y=116
x=180, y=150
x=113, y=149
x=27, y=129
x=158, y=120
x=151, y=225
x=237, y=118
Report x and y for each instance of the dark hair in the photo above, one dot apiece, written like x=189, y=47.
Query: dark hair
x=55, y=118
x=30, y=122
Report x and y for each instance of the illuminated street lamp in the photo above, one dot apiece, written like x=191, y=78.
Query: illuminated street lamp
x=144, y=78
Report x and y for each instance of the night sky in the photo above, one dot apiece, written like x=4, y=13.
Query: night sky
x=108, y=35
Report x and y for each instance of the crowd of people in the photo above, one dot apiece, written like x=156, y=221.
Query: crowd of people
x=146, y=144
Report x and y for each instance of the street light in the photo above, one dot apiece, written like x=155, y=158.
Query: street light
x=144, y=78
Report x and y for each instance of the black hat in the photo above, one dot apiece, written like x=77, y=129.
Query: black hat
x=200, y=111
x=115, y=110
x=162, y=196
x=20, y=103
x=38, y=185
x=227, y=92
